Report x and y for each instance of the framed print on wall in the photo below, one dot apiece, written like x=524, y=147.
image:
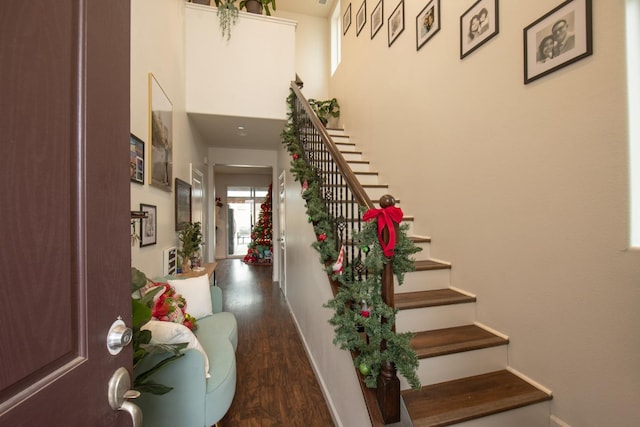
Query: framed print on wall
x=136, y=159
x=346, y=20
x=183, y=204
x=559, y=38
x=361, y=17
x=376, y=19
x=396, y=22
x=148, y=225
x=427, y=23
x=478, y=25
x=161, y=131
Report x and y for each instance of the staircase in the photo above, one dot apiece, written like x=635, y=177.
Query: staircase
x=463, y=368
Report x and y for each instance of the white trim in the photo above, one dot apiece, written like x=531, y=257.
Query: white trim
x=529, y=380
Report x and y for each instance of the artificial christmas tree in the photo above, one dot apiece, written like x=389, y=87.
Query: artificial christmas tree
x=261, y=247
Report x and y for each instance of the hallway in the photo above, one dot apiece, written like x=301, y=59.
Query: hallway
x=276, y=385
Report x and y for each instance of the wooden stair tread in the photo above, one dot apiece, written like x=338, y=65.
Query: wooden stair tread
x=430, y=265
x=457, y=339
x=469, y=398
x=419, y=239
x=433, y=298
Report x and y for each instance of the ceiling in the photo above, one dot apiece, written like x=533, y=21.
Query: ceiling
x=307, y=7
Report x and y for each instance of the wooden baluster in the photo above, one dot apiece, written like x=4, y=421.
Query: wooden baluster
x=388, y=390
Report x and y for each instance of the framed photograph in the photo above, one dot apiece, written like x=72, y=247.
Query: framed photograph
x=396, y=22
x=148, y=225
x=183, y=204
x=346, y=20
x=136, y=159
x=561, y=37
x=161, y=131
x=376, y=19
x=361, y=17
x=427, y=23
x=478, y=25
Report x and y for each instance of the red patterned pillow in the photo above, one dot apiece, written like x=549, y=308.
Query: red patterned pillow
x=168, y=306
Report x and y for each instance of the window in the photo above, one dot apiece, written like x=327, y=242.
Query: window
x=633, y=82
x=336, y=38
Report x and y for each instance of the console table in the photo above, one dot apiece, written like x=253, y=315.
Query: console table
x=208, y=268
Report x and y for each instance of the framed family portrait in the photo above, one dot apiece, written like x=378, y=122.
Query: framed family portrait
x=361, y=17
x=478, y=25
x=183, y=204
x=136, y=159
x=396, y=22
x=148, y=225
x=376, y=19
x=557, y=39
x=427, y=23
x=161, y=131
x=346, y=20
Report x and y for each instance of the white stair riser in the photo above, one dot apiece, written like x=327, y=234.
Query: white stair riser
x=426, y=280
x=344, y=145
x=375, y=193
x=425, y=253
x=360, y=167
x=336, y=132
x=427, y=318
x=433, y=370
x=528, y=416
x=367, y=179
x=352, y=156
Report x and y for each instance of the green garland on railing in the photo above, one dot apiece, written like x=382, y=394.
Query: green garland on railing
x=358, y=306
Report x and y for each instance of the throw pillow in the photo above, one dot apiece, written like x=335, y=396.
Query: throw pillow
x=175, y=333
x=196, y=292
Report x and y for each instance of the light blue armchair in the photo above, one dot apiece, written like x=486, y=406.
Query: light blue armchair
x=196, y=401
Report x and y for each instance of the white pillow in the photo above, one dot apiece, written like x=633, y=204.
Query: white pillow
x=175, y=333
x=196, y=292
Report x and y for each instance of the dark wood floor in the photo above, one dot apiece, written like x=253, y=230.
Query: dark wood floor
x=276, y=384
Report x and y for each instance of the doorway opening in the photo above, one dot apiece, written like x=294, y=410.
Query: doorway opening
x=243, y=208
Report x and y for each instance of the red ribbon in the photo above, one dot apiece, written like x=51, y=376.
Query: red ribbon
x=386, y=218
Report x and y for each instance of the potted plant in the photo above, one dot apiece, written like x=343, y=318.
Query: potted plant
x=228, y=14
x=191, y=238
x=256, y=6
x=325, y=109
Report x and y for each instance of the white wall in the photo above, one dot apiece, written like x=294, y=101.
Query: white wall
x=524, y=188
x=244, y=76
x=157, y=40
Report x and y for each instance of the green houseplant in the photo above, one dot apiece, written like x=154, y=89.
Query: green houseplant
x=191, y=238
x=255, y=6
x=325, y=109
x=228, y=14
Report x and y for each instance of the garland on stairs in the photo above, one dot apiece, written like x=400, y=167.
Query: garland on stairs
x=359, y=309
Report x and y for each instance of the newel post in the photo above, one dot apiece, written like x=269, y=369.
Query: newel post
x=388, y=386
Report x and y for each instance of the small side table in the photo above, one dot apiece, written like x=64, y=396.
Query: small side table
x=208, y=268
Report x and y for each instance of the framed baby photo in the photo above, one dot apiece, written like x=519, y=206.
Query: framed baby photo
x=427, y=23
x=376, y=19
x=557, y=39
x=396, y=22
x=478, y=25
x=361, y=17
x=346, y=20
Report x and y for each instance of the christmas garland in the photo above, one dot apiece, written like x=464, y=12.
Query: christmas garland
x=361, y=318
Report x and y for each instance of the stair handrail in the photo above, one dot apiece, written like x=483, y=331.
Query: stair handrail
x=386, y=397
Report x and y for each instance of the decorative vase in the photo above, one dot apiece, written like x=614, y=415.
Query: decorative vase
x=253, y=6
x=186, y=265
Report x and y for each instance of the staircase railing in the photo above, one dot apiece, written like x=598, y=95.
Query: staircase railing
x=344, y=197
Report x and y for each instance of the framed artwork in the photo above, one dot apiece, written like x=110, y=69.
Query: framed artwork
x=559, y=38
x=478, y=25
x=427, y=23
x=346, y=20
x=361, y=17
x=148, y=225
x=136, y=159
x=396, y=22
x=376, y=19
x=161, y=131
x=183, y=204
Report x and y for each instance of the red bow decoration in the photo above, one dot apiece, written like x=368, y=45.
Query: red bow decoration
x=386, y=217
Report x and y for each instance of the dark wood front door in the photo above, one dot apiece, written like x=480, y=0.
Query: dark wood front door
x=64, y=209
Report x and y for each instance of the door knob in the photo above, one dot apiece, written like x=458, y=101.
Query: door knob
x=119, y=336
x=120, y=391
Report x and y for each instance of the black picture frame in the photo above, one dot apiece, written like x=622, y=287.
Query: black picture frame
x=479, y=24
x=183, y=204
x=136, y=159
x=559, y=38
x=377, y=19
x=346, y=20
x=361, y=17
x=427, y=23
x=149, y=225
x=395, y=23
